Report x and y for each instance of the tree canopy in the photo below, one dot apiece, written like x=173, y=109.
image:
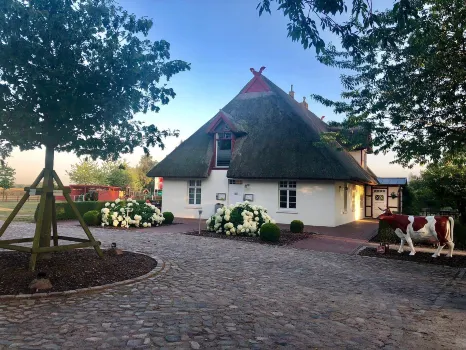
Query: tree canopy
x=346, y=19
x=404, y=72
x=88, y=172
x=441, y=184
x=145, y=164
x=109, y=173
x=74, y=73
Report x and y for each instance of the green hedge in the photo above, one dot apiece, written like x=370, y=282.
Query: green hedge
x=64, y=211
x=459, y=235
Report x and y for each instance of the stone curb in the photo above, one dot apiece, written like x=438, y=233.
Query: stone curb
x=160, y=268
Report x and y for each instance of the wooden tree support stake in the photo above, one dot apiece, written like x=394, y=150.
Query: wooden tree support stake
x=46, y=225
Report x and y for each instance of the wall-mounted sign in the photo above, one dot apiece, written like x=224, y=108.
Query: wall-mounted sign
x=221, y=196
x=249, y=197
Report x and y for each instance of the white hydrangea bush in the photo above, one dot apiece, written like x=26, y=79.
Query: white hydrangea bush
x=242, y=219
x=130, y=213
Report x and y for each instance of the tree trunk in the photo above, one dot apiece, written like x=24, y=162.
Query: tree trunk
x=46, y=229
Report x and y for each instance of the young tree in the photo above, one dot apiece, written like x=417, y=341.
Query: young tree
x=116, y=174
x=145, y=164
x=86, y=172
x=7, y=177
x=72, y=76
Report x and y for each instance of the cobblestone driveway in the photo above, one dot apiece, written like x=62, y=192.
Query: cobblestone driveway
x=226, y=294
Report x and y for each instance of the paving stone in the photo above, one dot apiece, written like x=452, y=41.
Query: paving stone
x=227, y=294
x=195, y=345
x=172, y=338
x=132, y=343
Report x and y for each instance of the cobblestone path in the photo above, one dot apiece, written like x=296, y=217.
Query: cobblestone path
x=221, y=294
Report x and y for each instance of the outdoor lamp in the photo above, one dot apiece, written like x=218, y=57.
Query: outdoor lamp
x=200, y=213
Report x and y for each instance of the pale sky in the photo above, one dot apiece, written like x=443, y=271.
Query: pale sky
x=221, y=40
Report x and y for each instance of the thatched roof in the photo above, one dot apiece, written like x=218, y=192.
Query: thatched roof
x=279, y=139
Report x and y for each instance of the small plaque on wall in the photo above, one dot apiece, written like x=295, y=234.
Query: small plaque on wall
x=248, y=197
x=221, y=196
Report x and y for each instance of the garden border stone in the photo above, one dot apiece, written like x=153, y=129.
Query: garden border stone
x=162, y=267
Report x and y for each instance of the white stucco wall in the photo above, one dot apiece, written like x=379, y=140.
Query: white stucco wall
x=353, y=212
x=356, y=155
x=361, y=157
x=314, y=201
x=393, y=202
x=175, y=195
x=318, y=203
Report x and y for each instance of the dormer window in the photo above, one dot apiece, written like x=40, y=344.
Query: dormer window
x=223, y=141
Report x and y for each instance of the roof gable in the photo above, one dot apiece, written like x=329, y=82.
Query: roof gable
x=221, y=118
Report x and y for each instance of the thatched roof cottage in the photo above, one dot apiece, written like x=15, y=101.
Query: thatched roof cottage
x=266, y=147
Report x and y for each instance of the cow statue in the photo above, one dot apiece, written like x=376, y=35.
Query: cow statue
x=421, y=228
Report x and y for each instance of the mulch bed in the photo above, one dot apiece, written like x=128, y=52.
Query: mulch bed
x=286, y=237
x=79, y=268
x=420, y=257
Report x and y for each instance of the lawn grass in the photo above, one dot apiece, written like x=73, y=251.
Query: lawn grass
x=25, y=214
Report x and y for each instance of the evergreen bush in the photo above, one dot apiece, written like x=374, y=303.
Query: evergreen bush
x=297, y=226
x=92, y=218
x=169, y=217
x=270, y=232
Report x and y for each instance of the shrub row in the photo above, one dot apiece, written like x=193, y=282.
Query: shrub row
x=64, y=211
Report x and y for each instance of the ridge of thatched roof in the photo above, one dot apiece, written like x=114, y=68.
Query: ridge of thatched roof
x=280, y=140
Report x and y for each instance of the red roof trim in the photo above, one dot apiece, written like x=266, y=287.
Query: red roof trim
x=217, y=120
x=257, y=84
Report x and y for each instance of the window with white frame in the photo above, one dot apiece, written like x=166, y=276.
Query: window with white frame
x=287, y=194
x=194, y=191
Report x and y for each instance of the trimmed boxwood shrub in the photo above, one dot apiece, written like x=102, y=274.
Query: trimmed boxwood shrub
x=92, y=218
x=297, y=226
x=64, y=211
x=169, y=217
x=270, y=232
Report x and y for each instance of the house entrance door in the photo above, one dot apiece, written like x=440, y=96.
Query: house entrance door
x=235, y=191
x=379, y=200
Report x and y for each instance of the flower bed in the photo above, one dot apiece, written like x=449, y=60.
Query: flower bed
x=130, y=213
x=242, y=219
